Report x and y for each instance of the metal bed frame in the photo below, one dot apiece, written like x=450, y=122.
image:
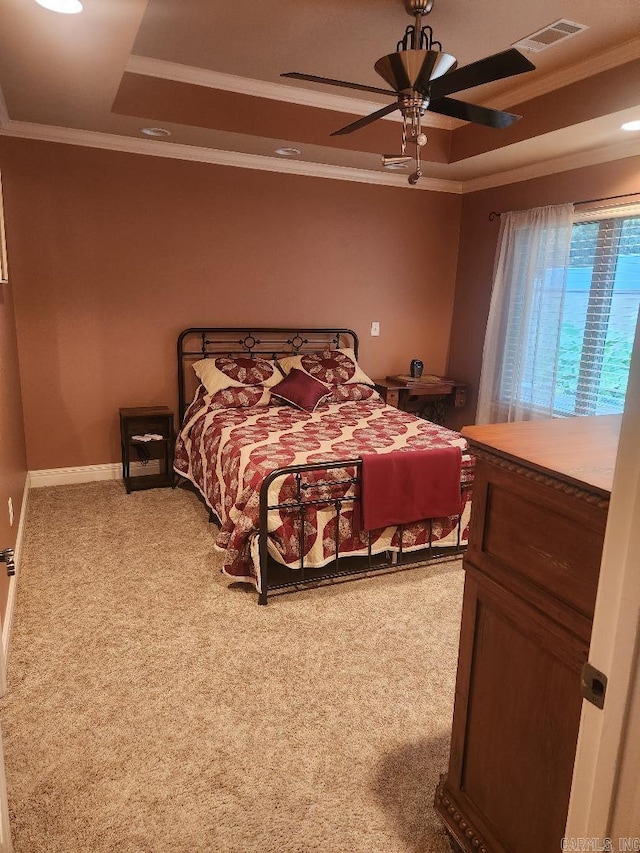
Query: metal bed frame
x=204, y=342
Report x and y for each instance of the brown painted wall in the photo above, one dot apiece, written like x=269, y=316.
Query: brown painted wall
x=113, y=254
x=13, y=463
x=478, y=242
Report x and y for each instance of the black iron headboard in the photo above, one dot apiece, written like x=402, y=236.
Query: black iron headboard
x=197, y=343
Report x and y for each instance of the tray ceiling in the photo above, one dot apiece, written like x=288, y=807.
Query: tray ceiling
x=209, y=72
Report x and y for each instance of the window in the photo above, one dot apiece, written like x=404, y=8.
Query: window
x=599, y=316
x=563, y=315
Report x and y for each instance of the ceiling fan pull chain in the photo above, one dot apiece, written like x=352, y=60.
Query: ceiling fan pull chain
x=421, y=137
x=404, y=135
x=415, y=176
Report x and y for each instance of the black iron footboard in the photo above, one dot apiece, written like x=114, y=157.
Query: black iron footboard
x=313, y=494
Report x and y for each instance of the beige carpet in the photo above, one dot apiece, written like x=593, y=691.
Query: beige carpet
x=151, y=707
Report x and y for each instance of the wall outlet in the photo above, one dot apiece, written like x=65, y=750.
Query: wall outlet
x=10, y=512
x=375, y=328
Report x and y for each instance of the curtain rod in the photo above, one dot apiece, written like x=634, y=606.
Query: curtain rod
x=495, y=215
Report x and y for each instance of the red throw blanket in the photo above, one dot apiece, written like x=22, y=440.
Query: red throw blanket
x=400, y=487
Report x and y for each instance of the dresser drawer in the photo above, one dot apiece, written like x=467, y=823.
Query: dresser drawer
x=538, y=529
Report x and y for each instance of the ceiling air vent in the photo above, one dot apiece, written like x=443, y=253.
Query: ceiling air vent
x=551, y=34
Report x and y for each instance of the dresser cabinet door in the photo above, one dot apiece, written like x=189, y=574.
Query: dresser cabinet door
x=516, y=721
x=540, y=538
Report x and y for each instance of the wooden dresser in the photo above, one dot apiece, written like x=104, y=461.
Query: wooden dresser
x=541, y=495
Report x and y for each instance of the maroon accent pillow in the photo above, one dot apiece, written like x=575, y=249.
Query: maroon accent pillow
x=301, y=390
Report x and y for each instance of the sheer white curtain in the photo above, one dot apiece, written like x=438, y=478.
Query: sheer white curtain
x=520, y=355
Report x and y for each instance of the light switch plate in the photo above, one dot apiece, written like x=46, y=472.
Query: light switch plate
x=375, y=328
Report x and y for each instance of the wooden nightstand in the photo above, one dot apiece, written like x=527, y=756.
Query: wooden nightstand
x=426, y=397
x=147, y=420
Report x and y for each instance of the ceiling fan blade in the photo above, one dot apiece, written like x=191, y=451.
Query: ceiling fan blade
x=362, y=122
x=472, y=112
x=496, y=67
x=295, y=75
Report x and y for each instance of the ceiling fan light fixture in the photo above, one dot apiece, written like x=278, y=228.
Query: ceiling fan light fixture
x=395, y=161
x=65, y=7
x=631, y=125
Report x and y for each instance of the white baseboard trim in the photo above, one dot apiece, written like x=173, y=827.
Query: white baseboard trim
x=87, y=473
x=13, y=584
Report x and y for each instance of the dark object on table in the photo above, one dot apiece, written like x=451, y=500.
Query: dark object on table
x=416, y=368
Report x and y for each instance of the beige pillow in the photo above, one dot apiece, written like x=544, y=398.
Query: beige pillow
x=236, y=371
x=332, y=367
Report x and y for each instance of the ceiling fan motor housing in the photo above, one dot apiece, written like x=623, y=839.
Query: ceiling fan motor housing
x=412, y=70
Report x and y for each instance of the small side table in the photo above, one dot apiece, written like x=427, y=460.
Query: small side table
x=426, y=397
x=147, y=420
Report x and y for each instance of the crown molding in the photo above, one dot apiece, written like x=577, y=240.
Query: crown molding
x=150, y=67
x=176, y=151
x=170, y=150
x=608, y=59
x=565, y=163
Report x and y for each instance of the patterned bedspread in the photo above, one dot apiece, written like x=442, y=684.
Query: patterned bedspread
x=227, y=452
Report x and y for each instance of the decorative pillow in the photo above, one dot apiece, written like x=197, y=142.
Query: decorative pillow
x=333, y=367
x=301, y=390
x=352, y=393
x=236, y=371
x=239, y=398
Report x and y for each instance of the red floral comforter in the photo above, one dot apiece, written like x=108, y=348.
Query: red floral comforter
x=227, y=453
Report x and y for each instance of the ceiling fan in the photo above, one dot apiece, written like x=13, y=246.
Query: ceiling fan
x=422, y=77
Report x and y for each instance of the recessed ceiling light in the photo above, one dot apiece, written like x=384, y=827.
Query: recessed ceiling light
x=156, y=131
x=67, y=7
x=631, y=125
x=288, y=152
